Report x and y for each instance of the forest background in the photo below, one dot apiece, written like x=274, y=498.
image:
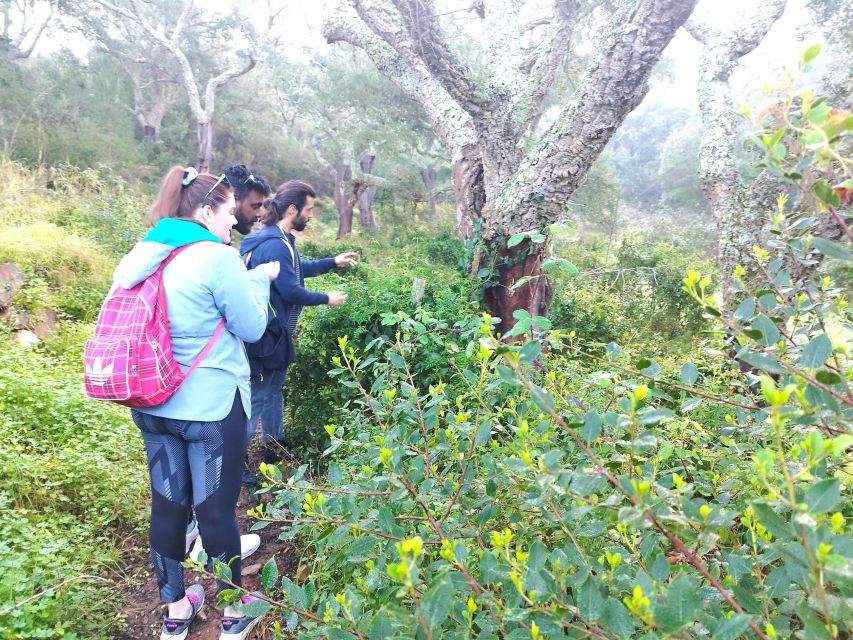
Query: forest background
x=608, y=396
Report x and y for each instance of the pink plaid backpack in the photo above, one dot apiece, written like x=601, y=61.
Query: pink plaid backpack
x=129, y=360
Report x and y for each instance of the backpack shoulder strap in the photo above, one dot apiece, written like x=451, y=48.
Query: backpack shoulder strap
x=207, y=347
x=201, y=356
x=176, y=252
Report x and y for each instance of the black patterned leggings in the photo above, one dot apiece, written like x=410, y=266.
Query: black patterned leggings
x=193, y=464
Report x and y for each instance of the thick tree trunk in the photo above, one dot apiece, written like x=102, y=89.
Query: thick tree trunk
x=368, y=195
x=345, y=210
x=151, y=122
x=469, y=189
x=343, y=202
x=151, y=119
x=429, y=175
x=523, y=261
x=739, y=208
x=483, y=118
x=149, y=109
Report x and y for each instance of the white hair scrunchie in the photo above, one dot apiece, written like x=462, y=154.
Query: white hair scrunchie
x=190, y=174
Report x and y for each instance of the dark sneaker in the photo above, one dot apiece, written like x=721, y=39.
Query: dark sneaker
x=239, y=628
x=192, y=534
x=176, y=628
x=273, y=451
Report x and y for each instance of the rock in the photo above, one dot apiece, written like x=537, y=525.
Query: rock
x=44, y=324
x=27, y=339
x=20, y=321
x=10, y=281
x=251, y=570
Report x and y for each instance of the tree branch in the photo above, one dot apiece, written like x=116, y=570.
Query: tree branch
x=503, y=51
x=530, y=26
x=412, y=31
x=526, y=104
x=35, y=32
x=182, y=22
x=700, y=31
x=187, y=75
x=214, y=83
x=451, y=123
x=615, y=84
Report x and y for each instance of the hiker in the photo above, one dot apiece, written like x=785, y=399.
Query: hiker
x=250, y=191
x=290, y=210
x=196, y=440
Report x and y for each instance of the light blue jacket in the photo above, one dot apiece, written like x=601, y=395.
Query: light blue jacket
x=203, y=284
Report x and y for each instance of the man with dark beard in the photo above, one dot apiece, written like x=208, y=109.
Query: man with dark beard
x=290, y=210
x=250, y=191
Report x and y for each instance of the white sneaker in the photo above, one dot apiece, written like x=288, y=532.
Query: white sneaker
x=249, y=543
x=192, y=534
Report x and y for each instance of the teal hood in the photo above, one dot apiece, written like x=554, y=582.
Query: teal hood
x=177, y=233
x=155, y=247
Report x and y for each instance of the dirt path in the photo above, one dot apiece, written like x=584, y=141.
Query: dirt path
x=144, y=615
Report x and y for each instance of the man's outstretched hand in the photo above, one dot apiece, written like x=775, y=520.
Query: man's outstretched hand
x=346, y=259
x=336, y=298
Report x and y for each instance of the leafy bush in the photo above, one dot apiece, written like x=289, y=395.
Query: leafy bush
x=72, y=474
x=63, y=271
x=66, y=238
x=635, y=295
x=569, y=493
x=655, y=294
x=592, y=311
x=376, y=294
x=99, y=206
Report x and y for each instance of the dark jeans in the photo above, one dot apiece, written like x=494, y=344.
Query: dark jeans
x=193, y=464
x=268, y=406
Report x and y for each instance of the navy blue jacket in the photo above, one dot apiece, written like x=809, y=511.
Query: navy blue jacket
x=267, y=245
x=288, y=293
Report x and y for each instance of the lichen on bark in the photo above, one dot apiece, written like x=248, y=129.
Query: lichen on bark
x=739, y=208
x=482, y=121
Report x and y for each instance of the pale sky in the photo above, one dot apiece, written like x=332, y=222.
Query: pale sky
x=301, y=24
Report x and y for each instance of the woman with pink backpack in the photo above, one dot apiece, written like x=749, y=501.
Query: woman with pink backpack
x=195, y=441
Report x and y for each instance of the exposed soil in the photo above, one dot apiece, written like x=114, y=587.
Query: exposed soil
x=143, y=613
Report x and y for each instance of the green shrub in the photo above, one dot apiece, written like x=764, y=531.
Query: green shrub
x=64, y=272
x=592, y=311
x=655, y=292
x=73, y=476
x=376, y=294
x=636, y=294
x=555, y=491
x=91, y=203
